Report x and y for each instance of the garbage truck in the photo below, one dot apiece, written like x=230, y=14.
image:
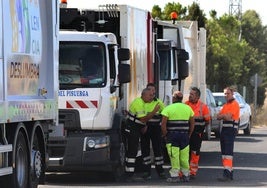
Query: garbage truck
x=29, y=85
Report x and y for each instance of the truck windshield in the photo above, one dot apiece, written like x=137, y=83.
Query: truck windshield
x=81, y=64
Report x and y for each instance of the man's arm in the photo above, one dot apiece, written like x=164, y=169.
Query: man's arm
x=191, y=125
x=164, y=125
x=225, y=117
x=150, y=115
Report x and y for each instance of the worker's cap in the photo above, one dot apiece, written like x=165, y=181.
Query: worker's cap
x=177, y=94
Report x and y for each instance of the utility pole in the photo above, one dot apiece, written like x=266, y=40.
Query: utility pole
x=235, y=9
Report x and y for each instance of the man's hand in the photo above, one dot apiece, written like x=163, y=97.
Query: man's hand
x=225, y=117
x=164, y=133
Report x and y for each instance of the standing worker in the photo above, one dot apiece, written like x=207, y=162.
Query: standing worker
x=177, y=126
x=229, y=114
x=153, y=133
x=136, y=121
x=202, y=119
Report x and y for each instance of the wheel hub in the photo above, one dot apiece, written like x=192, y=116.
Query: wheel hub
x=36, y=163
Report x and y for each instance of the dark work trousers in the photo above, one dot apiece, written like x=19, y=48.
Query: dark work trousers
x=227, y=140
x=195, y=145
x=227, y=150
x=195, y=142
x=153, y=133
x=132, y=139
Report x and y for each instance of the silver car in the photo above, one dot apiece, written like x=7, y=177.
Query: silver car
x=245, y=111
x=214, y=110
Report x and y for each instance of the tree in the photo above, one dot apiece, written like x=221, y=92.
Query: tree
x=156, y=12
x=224, y=51
x=174, y=7
x=196, y=14
x=168, y=9
x=232, y=60
x=255, y=61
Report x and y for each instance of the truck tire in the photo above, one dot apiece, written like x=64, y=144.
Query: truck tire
x=20, y=175
x=118, y=149
x=120, y=168
x=37, y=149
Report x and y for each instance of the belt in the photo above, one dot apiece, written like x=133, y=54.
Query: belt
x=135, y=120
x=154, y=120
x=230, y=125
x=177, y=128
x=177, y=131
x=202, y=124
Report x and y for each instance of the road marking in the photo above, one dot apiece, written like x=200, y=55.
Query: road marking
x=238, y=168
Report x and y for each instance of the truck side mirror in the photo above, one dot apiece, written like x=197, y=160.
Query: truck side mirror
x=183, y=67
x=123, y=54
x=124, y=73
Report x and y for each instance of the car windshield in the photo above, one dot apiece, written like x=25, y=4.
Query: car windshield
x=220, y=100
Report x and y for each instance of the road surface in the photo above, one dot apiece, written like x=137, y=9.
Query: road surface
x=250, y=168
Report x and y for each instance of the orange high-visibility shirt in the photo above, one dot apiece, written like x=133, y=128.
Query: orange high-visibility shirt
x=200, y=109
x=233, y=108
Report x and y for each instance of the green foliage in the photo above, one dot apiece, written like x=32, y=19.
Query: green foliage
x=156, y=12
x=174, y=7
x=168, y=9
x=225, y=52
x=195, y=13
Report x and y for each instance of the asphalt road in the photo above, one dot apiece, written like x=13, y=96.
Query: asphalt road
x=250, y=168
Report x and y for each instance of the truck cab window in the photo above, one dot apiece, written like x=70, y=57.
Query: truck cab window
x=82, y=64
x=112, y=65
x=165, y=66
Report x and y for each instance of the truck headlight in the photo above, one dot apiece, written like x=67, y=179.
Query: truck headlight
x=96, y=142
x=91, y=143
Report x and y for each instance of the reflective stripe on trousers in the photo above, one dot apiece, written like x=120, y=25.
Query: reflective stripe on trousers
x=194, y=159
x=227, y=161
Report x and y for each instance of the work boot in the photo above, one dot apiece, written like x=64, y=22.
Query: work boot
x=162, y=175
x=132, y=178
x=192, y=176
x=146, y=176
x=232, y=175
x=173, y=180
x=227, y=176
x=185, y=178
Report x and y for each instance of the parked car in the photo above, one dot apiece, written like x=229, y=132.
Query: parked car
x=245, y=111
x=214, y=110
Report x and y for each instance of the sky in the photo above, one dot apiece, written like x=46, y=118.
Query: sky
x=221, y=6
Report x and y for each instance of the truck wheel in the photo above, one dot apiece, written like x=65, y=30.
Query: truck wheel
x=37, y=158
x=21, y=167
x=119, y=169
